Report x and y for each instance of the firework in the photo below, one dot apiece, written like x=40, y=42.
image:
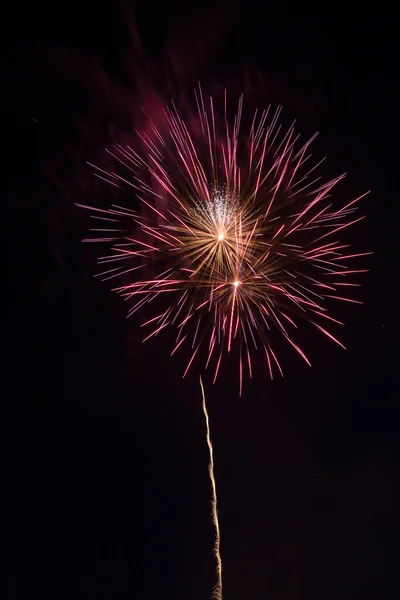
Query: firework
x=234, y=236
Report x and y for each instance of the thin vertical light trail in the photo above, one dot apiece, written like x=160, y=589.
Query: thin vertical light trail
x=217, y=592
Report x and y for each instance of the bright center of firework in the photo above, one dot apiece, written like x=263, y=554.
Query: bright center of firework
x=221, y=237
x=236, y=283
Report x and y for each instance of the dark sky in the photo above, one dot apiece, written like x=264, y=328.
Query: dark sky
x=106, y=485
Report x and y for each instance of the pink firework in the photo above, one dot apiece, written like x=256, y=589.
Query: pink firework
x=236, y=236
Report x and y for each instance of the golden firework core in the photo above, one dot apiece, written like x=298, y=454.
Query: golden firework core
x=221, y=237
x=236, y=283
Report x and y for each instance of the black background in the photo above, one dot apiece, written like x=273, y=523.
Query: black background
x=105, y=457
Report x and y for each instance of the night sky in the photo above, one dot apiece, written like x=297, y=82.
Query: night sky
x=105, y=480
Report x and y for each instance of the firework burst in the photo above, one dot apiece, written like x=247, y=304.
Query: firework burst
x=235, y=234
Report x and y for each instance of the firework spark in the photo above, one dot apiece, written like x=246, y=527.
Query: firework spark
x=217, y=593
x=236, y=236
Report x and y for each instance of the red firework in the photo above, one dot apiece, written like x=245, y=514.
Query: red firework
x=237, y=228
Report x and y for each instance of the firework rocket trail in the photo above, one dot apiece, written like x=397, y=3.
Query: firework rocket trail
x=217, y=593
x=236, y=235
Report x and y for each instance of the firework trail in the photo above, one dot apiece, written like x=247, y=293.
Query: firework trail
x=236, y=236
x=217, y=593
